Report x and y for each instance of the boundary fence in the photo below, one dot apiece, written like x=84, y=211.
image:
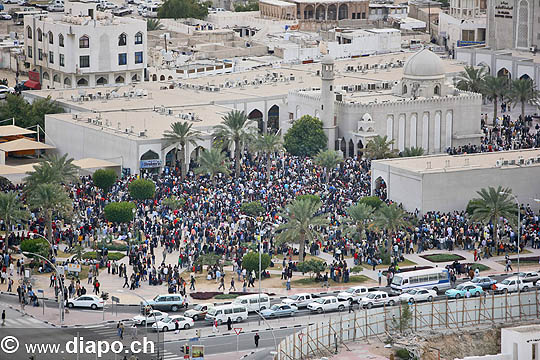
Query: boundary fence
x=324, y=337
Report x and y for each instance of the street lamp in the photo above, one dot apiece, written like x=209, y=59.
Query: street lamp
x=518, y=231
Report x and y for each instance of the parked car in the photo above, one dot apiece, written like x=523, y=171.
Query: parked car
x=150, y=318
x=485, y=282
x=121, y=11
x=377, y=298
x=10, y=1
x=299, y=300
x=169, y=323
x=5, y=90
x=529, y=276
x=5, y=16
x=461, y=290
x=170, y=302
x=416, y=295
x=87, y=301
x=55, y=8
x=279, y=310
x=353, y=294
x=511, y=284
x=327, y=304
x=198, y=312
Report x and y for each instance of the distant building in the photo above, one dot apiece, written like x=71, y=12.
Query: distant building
x=464, y=24
x=513, y=24
x=350, y=43
x=83, y=47
x=311, y=10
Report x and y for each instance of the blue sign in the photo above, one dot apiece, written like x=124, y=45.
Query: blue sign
x=153, y=163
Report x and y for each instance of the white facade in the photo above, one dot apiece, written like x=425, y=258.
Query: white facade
x=455, y=30
x=364, y=42
x=84, y=47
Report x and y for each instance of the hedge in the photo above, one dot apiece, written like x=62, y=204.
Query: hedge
x=112, y=255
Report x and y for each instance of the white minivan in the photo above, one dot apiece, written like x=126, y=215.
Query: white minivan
x=222, y=313
x=251, y=302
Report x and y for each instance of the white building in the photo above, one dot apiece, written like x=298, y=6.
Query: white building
x=350, y=43
x=84, y=47
x=464, y=24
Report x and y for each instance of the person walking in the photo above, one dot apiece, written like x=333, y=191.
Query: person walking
x=214, y=327
x=192, y=283
x=133, y=331
x=256, y=338
x=120, y=330
x=288, y=283
x=229, y=324
x=232, y=285
x=350, y=306
x=221, y=284
x=3, y=317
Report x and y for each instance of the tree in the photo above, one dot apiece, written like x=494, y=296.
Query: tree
x=359, y=217
x=38, y=246
x=250, y=262
x=471, y=79
x=153, y=24
x=119, y=212
x=174, y=202
x=412, y=151
x=523, y=91
x=268, y=144
x=213, y=162
x=52, y=170
x=249, y=6
x=182, y=9
x=328, y=159
x=142, y=189
x=310, y=197
x=494, y=88
x=181, y=134
x=236, y=130
x=379, y=148
x=11, y=212
x=493, y=204
x=210, y=259
x=51, y=200
x=253, y=208
x=306, y=137
x=312, y=266
x=301, y=224
x=372, y=201
x=104, y=179
x=26, y=114
x=392, y=219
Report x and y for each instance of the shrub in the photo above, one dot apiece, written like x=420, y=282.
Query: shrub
x=443, y=257
x=37, y=246
x=104, y=179
x=119, y=212
x=142, y=189
x=310, y=197
x=357, y=269
x=403, y=354
x=372, y=201
x=226, y=296
x=92, y=255
x=173, y=202
x=250, y=262
x=253, y=208
x=305, y=137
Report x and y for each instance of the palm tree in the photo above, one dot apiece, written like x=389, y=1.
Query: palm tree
x=301, y=224
x=392, y=219
x=153, y=24
x=52, y=170
x=181, y=134
x=523, y=91
x=268, y=144
x=213, y=162
x=359, y=217
x=50, y=199
x=494, y=88
x=236, y=130
x=328, y=159
x=471, y=79
x=492, y=205
x=11, y=211
x=412, y=151
x=379, y=148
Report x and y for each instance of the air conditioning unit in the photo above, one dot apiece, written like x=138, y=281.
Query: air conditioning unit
x=512, y=162
x=499, y=163
x=530, y=162
x=505, y=162
x=521, y=161
x=142, y=133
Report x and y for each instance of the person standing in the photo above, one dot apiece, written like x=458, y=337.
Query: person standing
x=133, y=331
x=288, y=283
x=229, y=324
x=3, y=317
x=380, y=275
x=256, y=338
x=192, y=285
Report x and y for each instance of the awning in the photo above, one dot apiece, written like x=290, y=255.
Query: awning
x=10, y=170
x=91, y=163
x=24, y=144
x=12, y=130
x=32, y=84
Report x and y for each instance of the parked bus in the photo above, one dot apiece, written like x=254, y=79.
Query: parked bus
x=437, y=279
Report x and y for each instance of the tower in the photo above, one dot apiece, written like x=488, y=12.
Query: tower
x=327, y=100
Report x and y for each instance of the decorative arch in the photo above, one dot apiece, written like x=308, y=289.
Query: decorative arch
x=404, y=89
x=484, y=65
x=61, y=40
x=82, y=82
x=273, y=118
x=138, y=38
x=46, y=75
x=332, y=12
x=56, y=78
x=67, y=82
x=257, y=115
x=308, y=12
x=351, y=148
x=136, y=77
x=503, y=72
x=122, y=39
x=317, y=114
x=525, y=77
x=343, y=12
x=170, y=77
x=119, y=79
x=84, y=42
x=359, y=147
x=367, y=117
x=437, y=90
x=320, y=12
x=102, y=81
x=194, y=156
x=150, y=155
x=154, y=77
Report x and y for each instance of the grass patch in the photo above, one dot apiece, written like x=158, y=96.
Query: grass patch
x=401, y=264
x=111, y=256
x=226, y=296
x=357, y=269
x=311, y=282
x=480, y=267
x=437, y=258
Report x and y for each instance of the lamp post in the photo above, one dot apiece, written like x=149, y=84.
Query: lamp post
x=518, y=232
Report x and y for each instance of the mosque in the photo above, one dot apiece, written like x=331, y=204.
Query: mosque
x=423, y=109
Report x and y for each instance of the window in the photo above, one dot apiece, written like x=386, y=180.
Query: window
x=122, y=40
x=122, y=59
x=84, y=61
x=61, y=59
x=29, y=32
x=61, y=40
x=51, y=37
x=138, y=57
x=40, y=54
x=39, y=35
x=51, y=57
x=30, y=52
x=56, y=78
x=228, y=311
x=138, y=38
x=84, y=42
x=253, y=301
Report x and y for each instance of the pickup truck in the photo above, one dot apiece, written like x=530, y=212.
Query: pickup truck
x=299, y=300
x=376, y=298
x=353, y=294
x=511, y=285
x=327, y=304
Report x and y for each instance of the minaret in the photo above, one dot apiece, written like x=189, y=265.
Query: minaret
x=327, y=100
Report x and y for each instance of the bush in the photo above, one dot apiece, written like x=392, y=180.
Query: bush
x=372, y=201
x=104, y=179
x=306, y=137
x=357, y=269
x=37, y=246
x=312, y=266
x=253, y=208
x=173, y=202
x=250, y=262
x=114, y=247
x=92, y=255
x=403, y=354
x=436, y=258
x=142, y=189
x=119, y=212
x=310, y=197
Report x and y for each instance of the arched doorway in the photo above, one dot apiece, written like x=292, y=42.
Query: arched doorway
x=320, y=13
x=150, y=162
x=343, y=147
x=351, y=148
x=525, y=77
x=102, y=81
x=380, y=188
x=343, y=12
x=332, y=12
x=169, y=158
x=154, y=77
x=82, y=82
x=273, y=119
x=194, y=156
x=308, y=12
x=359, y=148
x=504, y=73
x=257, y=116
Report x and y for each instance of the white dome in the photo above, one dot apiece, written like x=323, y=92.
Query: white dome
x=424, y=65
x=328, y=60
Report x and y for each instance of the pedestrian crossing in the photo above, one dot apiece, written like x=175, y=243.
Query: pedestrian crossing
x=167, y=355
x=24, y=322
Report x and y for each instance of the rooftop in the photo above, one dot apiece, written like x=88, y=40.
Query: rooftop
x=101, y=19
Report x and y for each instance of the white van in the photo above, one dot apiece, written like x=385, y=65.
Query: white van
x=222, y=313
x=251, y=302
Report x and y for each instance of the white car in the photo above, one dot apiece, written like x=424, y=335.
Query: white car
x=511, y=285
x=298, y=300
x=417, y=295
x=5, y=90
x=151, y=318
x=55, y=8
x=353, y=294
x=169, y=323
x=87, y=301
x=5, y=16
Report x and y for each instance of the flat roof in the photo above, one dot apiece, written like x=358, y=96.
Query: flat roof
x=466, y=162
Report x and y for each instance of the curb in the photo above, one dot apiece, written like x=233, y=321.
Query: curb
x=246, y=355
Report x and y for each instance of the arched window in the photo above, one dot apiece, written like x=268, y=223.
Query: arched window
x=135, y=77
x=437, y=90
x=61, y=40
x=39, y=35
x=162, y=78
x=138, y=38
x=29, y=32
x=404, y=89
x=67, y=81
x=51, y=37
x=122, y=40
x=56, y=78
x=102, y=81
x=84, y=42
x=119, y=79
x=82, y=82
x=45, y=76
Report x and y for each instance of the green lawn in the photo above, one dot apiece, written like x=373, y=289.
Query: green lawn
x=480, y=267
x=437, y=258
x=226, y=296
x=402, y=264
x=310, y=282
